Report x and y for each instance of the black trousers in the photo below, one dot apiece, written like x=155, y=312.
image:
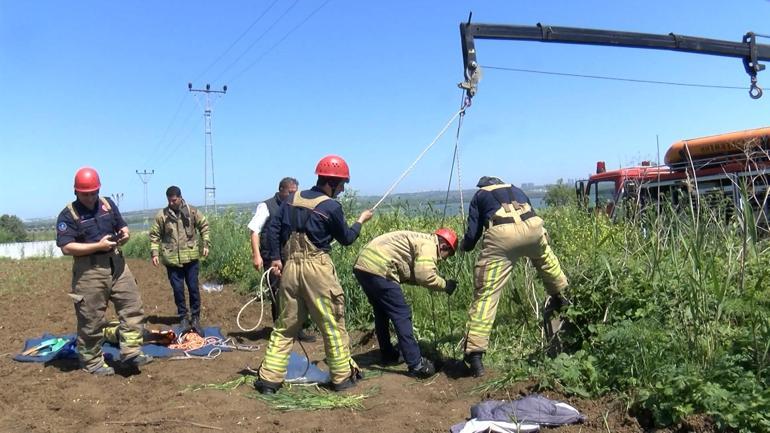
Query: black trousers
x=389, y=305
x=177, y=277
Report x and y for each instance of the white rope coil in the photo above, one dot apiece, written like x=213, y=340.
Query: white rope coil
x=260, y=296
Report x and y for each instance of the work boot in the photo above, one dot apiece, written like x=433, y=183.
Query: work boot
x=138, y=360
x=184, y=325
x=196, y=325
x=266, y=387
x=424, y=369
x=475, y=365
x=103, y=370
x=388, y=358
x=305, y=337
x=350, y=382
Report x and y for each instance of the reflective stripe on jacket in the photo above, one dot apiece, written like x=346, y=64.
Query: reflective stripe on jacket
x=179, y=233
x=490, y=202
x=403, y=256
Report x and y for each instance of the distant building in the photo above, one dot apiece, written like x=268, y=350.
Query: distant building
x=527, y=185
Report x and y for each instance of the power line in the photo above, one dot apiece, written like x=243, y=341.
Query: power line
x=145, y=176
x=162, y=144
x=229, y=48
x=210, y=189
x=295, y=28
x=162, y=162
x=259, y=38
x=168, y=128
x=238, y=39
x=117, y=197
x=163, y=155
x=606, y=77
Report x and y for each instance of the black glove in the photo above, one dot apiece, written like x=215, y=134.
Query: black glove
x=451, y=286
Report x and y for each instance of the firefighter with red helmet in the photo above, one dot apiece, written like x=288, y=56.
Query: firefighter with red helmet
x=90, y=229
x=513, y=230
x=386, y=262
x=303, y=229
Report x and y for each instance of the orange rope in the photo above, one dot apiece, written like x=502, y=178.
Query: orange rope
x=189, y=341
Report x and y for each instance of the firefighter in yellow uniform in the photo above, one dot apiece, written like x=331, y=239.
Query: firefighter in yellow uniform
x=386, y=262
x=513, y=230
x=301, y=233
x=90, y=229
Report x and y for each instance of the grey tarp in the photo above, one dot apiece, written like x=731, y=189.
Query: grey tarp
x=533, y=409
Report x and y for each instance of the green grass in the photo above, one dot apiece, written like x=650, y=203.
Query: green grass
x=671, y=312
x=23, y=275
x=295, y=397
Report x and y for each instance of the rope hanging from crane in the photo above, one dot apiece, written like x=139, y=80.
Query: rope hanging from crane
x=460, y=112
x=466, y=102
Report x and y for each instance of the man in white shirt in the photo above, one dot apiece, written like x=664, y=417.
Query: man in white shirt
x=258, y=227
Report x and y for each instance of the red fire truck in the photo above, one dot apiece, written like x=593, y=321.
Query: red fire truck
x=727, y=167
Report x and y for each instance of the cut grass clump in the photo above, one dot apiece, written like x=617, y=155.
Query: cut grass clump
x=230, y=385
x=298, y=397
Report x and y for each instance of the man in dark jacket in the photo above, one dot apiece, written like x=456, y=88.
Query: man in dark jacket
x=259, y=246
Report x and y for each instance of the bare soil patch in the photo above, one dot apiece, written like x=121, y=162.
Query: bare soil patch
x=60, y=398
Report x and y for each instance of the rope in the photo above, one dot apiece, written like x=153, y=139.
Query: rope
x=188, y=342
x=433, y=315
x=192, y=341
x=213, y=354
x=455, y=158
x=400, y=178
x=459, y=173
x=265, y=277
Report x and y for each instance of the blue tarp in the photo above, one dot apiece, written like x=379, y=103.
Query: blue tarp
x=299, y=371
x=111, y=351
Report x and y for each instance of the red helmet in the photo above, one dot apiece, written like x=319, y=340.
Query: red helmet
x=87, y=180
x=333, y=166
x=449, y=236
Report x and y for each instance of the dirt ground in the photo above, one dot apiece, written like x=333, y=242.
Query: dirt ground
x=58, y=397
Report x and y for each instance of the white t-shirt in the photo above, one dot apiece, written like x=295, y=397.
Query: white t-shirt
x=259, y=218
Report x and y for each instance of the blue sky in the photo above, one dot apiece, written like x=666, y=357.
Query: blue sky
x=105, y=84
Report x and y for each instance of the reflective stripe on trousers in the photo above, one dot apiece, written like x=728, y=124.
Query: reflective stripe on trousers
x=93, y=287
x=309, y=285
x=502, y=246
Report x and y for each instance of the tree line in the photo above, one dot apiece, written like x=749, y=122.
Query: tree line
x=12, y=229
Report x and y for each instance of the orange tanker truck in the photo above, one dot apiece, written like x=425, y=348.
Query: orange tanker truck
x=729, y=167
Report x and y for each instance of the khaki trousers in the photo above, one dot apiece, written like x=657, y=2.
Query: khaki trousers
x=96, y=281
x=309, y=285
x=502, y=246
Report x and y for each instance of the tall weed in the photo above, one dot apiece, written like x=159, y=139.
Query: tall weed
x=671, y=310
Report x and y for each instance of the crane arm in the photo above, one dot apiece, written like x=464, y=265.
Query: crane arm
x=747, y=50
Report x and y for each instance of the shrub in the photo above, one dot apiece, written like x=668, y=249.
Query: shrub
x=670, y=311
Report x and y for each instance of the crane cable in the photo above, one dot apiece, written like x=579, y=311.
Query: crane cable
x=465, y=105
x=466, y=102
